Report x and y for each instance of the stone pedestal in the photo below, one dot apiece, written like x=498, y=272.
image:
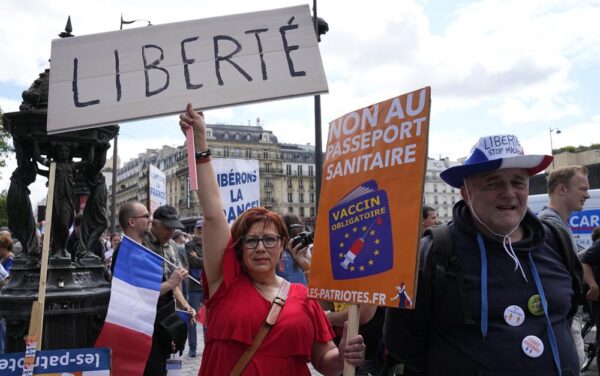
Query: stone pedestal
x=75, y=308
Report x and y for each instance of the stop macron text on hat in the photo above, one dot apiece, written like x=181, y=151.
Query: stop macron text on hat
x=492, y=153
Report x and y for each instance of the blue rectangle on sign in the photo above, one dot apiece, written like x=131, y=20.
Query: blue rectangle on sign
x=57, y=361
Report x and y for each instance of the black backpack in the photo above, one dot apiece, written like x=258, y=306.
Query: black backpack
x=442, y=254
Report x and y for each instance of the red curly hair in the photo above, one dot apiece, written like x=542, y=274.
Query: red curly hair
x=242, y=225
x=6, y=241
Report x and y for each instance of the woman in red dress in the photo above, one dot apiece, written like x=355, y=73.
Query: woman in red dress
x=241, y=284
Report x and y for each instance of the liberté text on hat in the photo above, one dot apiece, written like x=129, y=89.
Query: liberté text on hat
x=495, y=153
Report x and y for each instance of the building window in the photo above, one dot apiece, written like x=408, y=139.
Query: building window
x=311, y=184
x=435, y=199
x=301, y=184
x=267, y=167
x=312, y=198
x=300, y=170
x=267, y=183
x=290, y=197
x=435, y=187
x=226, y=151
x=311, y=170
x=265, y=154
x=301, y=197
x=288, y=169
x=290, y=210
x=289, y=183
x=268, y=197
x=312, y=211
x=302, y=211
x=238, y=152
x=248, y=153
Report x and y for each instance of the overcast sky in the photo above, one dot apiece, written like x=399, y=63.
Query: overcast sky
x=519, y=67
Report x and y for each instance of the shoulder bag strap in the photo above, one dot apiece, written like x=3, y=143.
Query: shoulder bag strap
x=264, y=329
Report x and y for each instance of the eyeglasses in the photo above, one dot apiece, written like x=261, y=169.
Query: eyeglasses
x=269, y=241
x=147, y=216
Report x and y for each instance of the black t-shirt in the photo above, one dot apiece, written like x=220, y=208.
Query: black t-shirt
x=591, y=256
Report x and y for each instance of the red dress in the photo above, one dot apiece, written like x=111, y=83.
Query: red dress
x=236, y=311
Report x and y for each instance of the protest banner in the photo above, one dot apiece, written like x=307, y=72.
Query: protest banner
x=367, y=230
x=83, y=362
x=157, y=188
x=130, y=74
x=239, y=185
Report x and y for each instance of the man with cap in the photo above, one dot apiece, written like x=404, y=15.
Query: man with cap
x=505, y=303
x=193, y=250
x=157, y=238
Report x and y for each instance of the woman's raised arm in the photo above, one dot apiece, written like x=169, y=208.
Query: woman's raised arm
x=215, y=234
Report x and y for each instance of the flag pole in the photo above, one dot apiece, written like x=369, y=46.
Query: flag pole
x=164, y=259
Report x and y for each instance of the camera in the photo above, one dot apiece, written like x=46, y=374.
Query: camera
x=305, y=238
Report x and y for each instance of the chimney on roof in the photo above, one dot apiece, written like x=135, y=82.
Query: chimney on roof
x=258, y=122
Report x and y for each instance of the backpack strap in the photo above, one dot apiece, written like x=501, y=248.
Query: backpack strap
x=442, y=254
x=569, y=257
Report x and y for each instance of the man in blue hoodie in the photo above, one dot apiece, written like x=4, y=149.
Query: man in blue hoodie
x=504, y=304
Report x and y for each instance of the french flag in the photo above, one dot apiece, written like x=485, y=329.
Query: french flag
x=129, y=322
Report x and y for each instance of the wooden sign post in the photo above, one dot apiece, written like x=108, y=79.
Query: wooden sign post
x=36, y=323
x=353, y=323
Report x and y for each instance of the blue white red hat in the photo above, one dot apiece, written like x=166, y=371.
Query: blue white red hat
x=495, y=153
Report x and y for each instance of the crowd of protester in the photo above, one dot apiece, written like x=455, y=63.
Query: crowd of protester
x=266, y=257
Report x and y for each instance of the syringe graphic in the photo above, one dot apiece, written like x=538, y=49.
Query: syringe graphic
x=357, y=246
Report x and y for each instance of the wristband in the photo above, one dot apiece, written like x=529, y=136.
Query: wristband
x=202, y=154
x=202, y=160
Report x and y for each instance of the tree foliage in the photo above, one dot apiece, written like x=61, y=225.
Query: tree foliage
x=5, y=145
x=3, y=212
x=576, y=149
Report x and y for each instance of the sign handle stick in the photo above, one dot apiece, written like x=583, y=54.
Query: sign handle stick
x=36, y=322
x=191, y=151
x=353, y=317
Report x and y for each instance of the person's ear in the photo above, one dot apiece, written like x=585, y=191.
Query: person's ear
x=464, y=193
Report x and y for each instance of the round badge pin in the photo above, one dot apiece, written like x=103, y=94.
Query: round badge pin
x=514, y=315
x=535, y=305
x=532, y=346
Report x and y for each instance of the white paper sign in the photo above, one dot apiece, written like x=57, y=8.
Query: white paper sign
x=157, y=188
x=239, y=185
x=130, y=74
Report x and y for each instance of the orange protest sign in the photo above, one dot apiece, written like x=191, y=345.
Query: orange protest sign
x=367, y=230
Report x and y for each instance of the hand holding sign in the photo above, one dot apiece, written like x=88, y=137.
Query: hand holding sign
x=195, y=120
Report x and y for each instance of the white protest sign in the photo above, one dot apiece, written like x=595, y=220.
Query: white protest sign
x=130, y=74
x=239, y=185
x=157, y=188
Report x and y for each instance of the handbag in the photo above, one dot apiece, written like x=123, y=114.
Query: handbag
x=264, y=329
x=171, y=330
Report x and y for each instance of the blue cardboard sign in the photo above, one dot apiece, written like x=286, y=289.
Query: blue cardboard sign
x=59, y=362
